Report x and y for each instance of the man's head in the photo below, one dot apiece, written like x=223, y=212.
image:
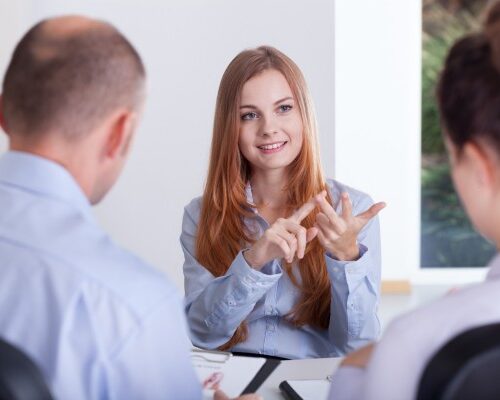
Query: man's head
x=72, y=92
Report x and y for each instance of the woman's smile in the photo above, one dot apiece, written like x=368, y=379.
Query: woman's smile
x=270, y=148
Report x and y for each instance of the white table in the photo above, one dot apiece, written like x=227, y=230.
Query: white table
x=316, y=368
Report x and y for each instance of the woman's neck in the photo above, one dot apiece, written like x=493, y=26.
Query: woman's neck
x=267, y=189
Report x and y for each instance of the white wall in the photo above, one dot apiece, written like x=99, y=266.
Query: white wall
x=186, y=46
x=377, y=118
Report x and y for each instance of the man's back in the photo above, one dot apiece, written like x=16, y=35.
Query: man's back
x=98, y=321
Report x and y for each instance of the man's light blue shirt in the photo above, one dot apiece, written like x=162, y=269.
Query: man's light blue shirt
x=99, y=322
x=216, y=306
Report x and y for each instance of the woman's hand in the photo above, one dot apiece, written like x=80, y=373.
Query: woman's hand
x=286, y=238
x=338, y=233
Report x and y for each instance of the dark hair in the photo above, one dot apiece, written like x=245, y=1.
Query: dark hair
x=69, y=83
x=469, y=88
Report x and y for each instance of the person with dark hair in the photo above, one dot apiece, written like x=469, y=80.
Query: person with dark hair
x=469, y=101
x=99, y=322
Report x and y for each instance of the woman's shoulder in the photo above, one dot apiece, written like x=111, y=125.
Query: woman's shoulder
x=358, y=198
x=192, y=210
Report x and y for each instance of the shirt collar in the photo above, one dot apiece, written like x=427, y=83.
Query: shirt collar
x=249, y=194
x=41, y=176
x=494, y=272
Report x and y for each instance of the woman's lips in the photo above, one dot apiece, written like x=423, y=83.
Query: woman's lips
x=272, y=147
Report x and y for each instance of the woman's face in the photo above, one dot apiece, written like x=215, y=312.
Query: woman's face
x=270, y=136
x=469, y=173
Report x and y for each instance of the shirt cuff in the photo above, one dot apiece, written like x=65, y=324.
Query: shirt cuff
x=250, y=276
x=247, y=286
x=350, y=271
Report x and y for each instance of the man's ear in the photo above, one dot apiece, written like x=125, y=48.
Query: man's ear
x=482, y=163
x=121, y=129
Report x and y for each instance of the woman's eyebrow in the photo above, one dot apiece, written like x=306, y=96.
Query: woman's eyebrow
x=283, y=99
x=275, y=103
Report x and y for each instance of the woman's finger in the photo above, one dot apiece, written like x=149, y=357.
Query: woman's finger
x=338, y=227
x=290, y=238
x=282, y=228
x=303, y=211
x=321, y=236
x=300, y=233
x=326, y=208
x=293, y=250
x=325, y=227
x=283, y=242
x=371, y=212
x=301, y=241
x=346, y=206
x=311, y=234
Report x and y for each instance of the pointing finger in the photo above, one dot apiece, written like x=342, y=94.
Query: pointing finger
x=371, y=212
x=303, y=211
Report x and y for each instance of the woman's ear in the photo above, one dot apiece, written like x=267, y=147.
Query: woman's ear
x=482, y=162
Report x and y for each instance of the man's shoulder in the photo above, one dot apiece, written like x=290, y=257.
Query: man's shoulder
x=71, y=245
x=127, y=278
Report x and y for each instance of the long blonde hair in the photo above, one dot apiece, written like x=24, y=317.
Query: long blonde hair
x=221, y=230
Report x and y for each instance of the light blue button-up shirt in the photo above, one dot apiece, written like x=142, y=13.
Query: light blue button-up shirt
x=216, y=306
x=99, y=322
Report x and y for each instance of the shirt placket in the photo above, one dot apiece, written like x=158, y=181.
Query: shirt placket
x=271, y=323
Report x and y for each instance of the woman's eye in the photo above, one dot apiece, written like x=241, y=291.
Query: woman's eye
x=249, y=116
x=285, y=107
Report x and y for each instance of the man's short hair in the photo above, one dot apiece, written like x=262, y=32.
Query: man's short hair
x=70, y=82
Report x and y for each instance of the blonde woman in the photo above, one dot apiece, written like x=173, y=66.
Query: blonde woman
x=278, y=260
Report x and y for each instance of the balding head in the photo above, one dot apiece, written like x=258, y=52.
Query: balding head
x=66, y=75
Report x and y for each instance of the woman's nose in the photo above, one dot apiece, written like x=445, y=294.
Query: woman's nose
x=269, y=127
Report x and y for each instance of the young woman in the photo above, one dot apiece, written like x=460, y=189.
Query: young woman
x=278, y=260
x=469, y=102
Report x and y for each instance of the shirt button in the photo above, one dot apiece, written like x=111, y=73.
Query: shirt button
x=271, y=328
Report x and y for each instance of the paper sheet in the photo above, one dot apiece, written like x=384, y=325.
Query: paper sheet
x=232, y=374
